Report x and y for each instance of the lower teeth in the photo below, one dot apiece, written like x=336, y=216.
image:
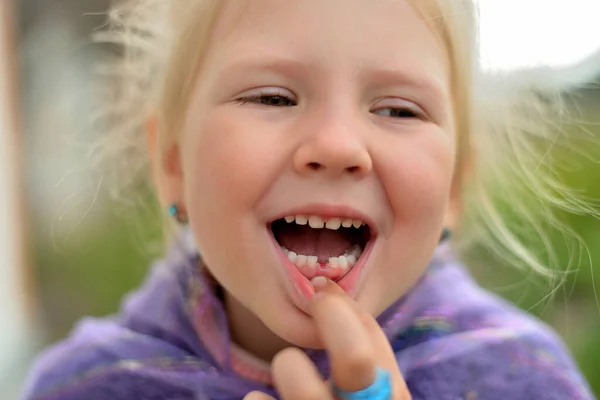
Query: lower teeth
x=345, y=261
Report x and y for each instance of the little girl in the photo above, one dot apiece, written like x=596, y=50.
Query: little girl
x=314, y=154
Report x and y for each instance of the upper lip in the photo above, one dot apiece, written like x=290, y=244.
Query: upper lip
x=328, y=211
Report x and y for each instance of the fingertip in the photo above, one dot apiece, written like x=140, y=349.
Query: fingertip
x=256, y=395
x=320, y=283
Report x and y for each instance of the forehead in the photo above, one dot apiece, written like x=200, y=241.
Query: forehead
x=338, y=35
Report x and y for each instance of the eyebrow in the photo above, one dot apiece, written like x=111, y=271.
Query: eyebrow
x=279, y=65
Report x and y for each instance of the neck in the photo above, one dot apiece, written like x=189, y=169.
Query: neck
x=249, y=332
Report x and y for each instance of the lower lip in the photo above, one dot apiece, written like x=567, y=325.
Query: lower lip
x=302, y=285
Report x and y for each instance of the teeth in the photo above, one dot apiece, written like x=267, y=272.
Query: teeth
x=301, y=220
x=343, y=262
x=346, y=261
x=356, y=251
x=301, y=260
x=292, y=256
x=333, y=224
x=316, y=222
x=351, y=259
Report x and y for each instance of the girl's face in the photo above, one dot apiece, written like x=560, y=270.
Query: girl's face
x=337, y=112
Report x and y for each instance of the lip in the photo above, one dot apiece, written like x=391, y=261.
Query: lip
x=327, y=211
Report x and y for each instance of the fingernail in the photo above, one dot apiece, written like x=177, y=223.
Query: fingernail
x=319, y=282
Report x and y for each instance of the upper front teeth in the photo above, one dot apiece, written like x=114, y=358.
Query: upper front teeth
x=317, y=222
x=300, y=220
x=333, y=224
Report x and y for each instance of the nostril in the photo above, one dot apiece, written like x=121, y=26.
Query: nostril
x=353, y=170
x=314, y=166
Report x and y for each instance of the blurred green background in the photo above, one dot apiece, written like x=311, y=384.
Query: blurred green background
x=90, y=249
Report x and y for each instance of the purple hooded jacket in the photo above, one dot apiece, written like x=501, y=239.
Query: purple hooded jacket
x=452, y=340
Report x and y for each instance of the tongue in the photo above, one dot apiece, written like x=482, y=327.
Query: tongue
x=323, y=243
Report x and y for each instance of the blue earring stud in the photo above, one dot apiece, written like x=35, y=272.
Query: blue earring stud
x=176, y=212
x=446, y=233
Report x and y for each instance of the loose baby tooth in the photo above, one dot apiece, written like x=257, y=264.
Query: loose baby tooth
x=343, y=262
x=347, y=223
x=351, y=259
x=301, y=260
x=333, y=224
x=311, y=261
x=316, y=222
x=333, y=261
x=301, y=220
x=286, y=251
x=292, y=256
x=289, y=219
x=357, y=223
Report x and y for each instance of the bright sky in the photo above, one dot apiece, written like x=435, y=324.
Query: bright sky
x=521, y=33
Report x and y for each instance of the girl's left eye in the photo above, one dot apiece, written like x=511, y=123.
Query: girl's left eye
x=398, y=113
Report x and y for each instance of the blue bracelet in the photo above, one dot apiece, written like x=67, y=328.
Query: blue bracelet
x=380, y=389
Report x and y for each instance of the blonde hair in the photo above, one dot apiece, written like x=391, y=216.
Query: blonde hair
x=505, y=130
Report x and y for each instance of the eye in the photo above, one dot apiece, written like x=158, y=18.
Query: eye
x=401, y=109
x=397, y=113
x=269, y=100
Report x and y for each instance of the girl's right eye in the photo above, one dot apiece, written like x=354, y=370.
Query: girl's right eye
x=269, y=100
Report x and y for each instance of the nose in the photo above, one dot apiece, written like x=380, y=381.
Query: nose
x=333, y=150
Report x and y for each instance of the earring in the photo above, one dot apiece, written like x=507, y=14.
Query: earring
x=177, y=212
x=445, y=234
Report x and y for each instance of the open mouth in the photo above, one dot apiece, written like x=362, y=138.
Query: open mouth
x=320, y=246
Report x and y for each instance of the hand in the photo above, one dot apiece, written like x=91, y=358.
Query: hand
x=356, y=346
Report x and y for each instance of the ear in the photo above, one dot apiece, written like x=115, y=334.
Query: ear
x=165, y=165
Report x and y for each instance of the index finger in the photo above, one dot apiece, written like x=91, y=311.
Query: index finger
x=379, y=344
x=345, y=338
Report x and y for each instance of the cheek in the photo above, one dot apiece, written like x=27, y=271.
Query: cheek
x=416, y=173
x=417, y=177
x=221, y=172
x=228, y=166
x=222, y=163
